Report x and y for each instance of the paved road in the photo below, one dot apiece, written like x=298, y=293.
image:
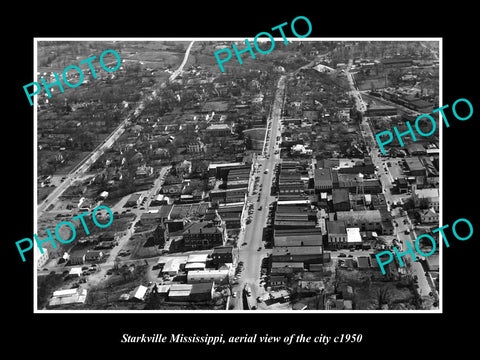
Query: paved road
x=360, y=104
x=180, y=68
x=387, y=179
x=250, y=253
x=84, y=165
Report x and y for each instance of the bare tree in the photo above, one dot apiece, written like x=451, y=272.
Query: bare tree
x=382, y=296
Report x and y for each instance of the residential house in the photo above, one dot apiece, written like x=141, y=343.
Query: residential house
x=207, y=275
x=195, y=147
x=428, y=216
x=93, y=255
x=218, y=130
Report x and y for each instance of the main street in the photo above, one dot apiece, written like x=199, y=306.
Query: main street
x=253, y=252
x=360, y=104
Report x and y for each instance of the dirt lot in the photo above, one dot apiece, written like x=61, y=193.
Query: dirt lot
x=106, y=295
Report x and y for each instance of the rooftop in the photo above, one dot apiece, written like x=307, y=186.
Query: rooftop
x=414, y=164
x=204, y=227
x=353, y=235
x=361, y=215
x=336, y=227
x=297, y=250
x=323, y=175
x=340, y=195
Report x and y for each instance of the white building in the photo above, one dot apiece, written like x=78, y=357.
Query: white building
x=68, y=296
x=41, y=258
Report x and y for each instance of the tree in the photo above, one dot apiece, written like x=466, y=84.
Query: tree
x=382, y=296
x=424, y=203
x=409, y=203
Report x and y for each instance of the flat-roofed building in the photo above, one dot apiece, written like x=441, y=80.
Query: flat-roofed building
x=286, y=267
x=68, y=297
x=41, y=259
x=201, y=292
x=133, y=200
x=179, y=292
x=415, y=166
x=366, y=220
x=207, y=275
x=323, y=179
x=431, y=194
x=337, y=234
x=354, y=238
x=305, y=254
x=219, y=130
x=299, y=240
x=340, y=199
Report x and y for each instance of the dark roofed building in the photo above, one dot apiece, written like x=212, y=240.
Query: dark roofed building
x=337, y=234
x=201, y=292
x=323, y=179
x=340, y=199
x=204, y=235
x=305, y=254
x=298, y=240
x=415, y=167
x=416, y=149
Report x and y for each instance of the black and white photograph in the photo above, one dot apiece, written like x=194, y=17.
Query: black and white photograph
x=213, y=182
x=228, y=186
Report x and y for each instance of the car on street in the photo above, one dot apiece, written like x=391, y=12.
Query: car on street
x=260, y=207
x=266, y=171
x=342, y=255
x=260, y=248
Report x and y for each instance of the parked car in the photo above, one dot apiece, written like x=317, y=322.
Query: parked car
x=342, y=255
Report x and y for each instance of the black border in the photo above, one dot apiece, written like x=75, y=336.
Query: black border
x=421, y=333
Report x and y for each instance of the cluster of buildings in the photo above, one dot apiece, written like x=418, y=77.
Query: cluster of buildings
x=337, y=207
x=195, y=275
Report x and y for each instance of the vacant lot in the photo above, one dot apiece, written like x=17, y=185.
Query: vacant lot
x=107, y=294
